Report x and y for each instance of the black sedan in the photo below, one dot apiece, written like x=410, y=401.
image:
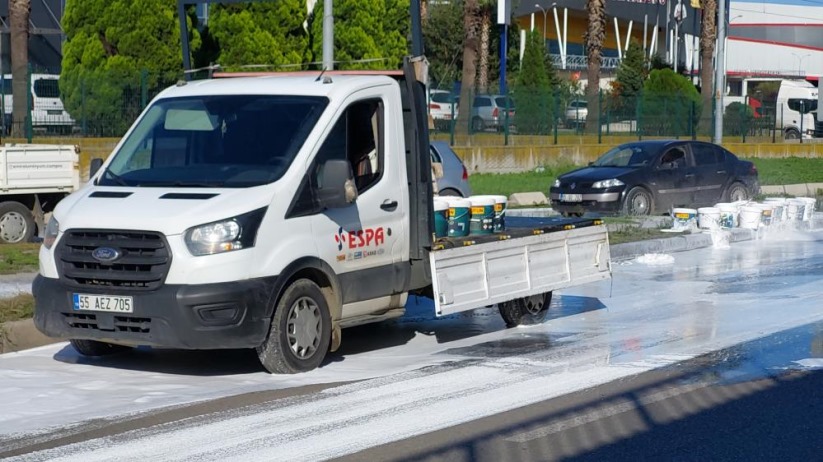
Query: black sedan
x=652, y=177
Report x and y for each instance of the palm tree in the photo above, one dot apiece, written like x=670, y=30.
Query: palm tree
x=594, y=36
x=471, y=14
x=708, y=36
x=19, y=12
x=486, y=7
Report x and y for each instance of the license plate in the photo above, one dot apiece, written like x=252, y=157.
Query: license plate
x=109, y=303
x=571, y=198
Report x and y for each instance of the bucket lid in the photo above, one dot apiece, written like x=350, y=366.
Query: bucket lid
x=727, y=207
x=500, y=199
x=440, y=204
x=482, y=200
x=689, y=211
x=708, y=210
x=775, y=199
x=764, y=206
x=458, y=202
x=751, y=208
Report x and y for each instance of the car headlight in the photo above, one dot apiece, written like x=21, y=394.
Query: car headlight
x=52, y=230
x=235, y=233
x=557, y=183
x=603, y=184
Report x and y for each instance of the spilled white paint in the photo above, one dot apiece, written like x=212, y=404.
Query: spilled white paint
x=656, y=259
x=423, y=374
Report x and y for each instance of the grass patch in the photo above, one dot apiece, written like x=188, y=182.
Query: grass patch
x=18, y=258
x=509, y=183
x=791, y=170
x=16, y=308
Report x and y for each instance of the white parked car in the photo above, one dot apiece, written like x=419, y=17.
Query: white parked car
x=443, y=108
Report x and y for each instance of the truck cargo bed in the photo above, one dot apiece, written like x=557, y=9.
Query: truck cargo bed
x=530, y=258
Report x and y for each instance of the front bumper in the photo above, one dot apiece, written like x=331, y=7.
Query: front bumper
x=207, y=316
x=603, y=202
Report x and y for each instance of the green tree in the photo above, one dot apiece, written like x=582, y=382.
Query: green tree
x=737, y=119
x=443, y=34
x=368, y=34
x=261, y=33
x=628, y=83
x=532, y=93
x=108, y=44
x=669, y=105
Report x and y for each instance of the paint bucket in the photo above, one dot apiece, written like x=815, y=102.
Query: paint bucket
x=458, y=223
x=684, y=219
x=778, y=203
x=500, y=205
x=750, y=217
x=797, y=208
x=708, y=218
x=482, y=214
x=766, y=211
x=728, y=215
x=808, y=211
x=441, y=220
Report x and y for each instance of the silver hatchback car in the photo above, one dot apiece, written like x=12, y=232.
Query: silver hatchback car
x=489, y=112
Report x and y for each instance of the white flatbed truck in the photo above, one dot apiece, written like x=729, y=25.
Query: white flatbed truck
x=271, y=212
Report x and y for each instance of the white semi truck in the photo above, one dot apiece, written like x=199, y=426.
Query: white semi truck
x=33, y=179
x=273, y=212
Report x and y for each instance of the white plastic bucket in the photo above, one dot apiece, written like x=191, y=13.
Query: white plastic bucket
x=808, y=210
x=708, y=217
x=797, y=208
x=750, y=217
x=441, y=217
x=766, y=211
x=778, y=202
x=684, y=219
x=500, y=206
x=728, y=215
x=482, y=214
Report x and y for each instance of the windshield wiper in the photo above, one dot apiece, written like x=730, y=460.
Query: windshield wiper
x=117, y=178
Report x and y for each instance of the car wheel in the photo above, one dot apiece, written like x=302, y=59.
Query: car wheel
x=450, y=192
x=477, y=124
x=638, y=202
x=791, y=134
x=526, y=311
x=16, y=223
x=96, y=348
x=737, y=192
x=300, y=330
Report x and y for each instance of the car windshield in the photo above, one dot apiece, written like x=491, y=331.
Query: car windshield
x=625, y=156
x=213, y=141
x=504, y=102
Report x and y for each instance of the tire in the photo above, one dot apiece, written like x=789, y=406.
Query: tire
x=478, y=125
x=300, y=331
x=791, y=134
x=16, y=223
x=526, y=311
x=96, y=348
x=737, y=192
x=638, y=202
x=450, y=192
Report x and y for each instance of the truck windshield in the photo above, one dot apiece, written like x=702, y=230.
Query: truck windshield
x=214, y=141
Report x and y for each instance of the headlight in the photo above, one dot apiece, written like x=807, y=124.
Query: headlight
x=52, y=230
x=226, y=235
x=557, y=183
x=607, y=183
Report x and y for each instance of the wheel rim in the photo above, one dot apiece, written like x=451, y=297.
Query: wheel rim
x=737, y=195
x=13, y=227
x=535, y=303
x=640, y=204
x=303, y=328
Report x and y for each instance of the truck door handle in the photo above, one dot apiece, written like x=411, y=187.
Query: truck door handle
x=689, y=175
x=388, y=205
x=721, y=172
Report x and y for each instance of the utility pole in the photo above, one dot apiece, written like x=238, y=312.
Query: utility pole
x=720, y=72
x=328, y=36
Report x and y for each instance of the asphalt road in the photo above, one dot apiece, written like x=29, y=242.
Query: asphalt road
x=711, y=354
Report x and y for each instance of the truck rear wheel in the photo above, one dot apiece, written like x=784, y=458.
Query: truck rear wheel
x=96, y=348
x=526, y=311
x=16, y=223
x=300, y=330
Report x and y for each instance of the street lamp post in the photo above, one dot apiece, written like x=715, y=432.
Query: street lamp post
x=545, y=12
x=800, y=62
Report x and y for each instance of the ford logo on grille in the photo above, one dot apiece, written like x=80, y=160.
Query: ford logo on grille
x=105, y=254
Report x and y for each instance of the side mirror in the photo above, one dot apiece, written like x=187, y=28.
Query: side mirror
x=337, y=188
x=94, y=166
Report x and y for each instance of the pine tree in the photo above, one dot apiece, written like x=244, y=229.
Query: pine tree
x=532, y=93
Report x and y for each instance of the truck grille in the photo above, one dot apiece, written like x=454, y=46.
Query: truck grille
x=142, y=264
x=117, y=323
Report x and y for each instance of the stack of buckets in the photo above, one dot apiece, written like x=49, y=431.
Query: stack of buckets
x=777, y=211
x=475, y=216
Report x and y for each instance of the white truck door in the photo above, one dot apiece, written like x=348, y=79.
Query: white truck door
x=360, y=241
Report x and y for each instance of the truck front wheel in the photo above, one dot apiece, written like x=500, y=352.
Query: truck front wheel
x=300, y=330
x=526, y=311
x=95, y=348
x=16, y=223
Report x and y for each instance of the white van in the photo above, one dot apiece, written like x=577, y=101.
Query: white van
x=793, y=123
x=47, y=111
